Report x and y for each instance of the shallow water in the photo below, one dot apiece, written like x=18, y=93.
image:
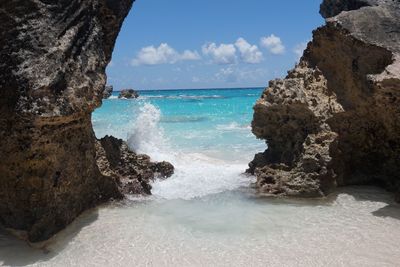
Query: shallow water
x=356, y=228
x=206, y=214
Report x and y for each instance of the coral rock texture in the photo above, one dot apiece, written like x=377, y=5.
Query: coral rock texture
x=108, y=90
x=335, y=119
x=133, y=173
x=52, y=76
x=128, y=93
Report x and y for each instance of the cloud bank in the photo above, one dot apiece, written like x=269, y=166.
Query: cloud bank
x=163, y=54
x=221, y=54
x=240, y=51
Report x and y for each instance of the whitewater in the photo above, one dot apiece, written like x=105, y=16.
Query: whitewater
x=207, y=214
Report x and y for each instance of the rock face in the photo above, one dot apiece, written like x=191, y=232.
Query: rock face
x=128, y=93
x=107, y=91
x=133, y=173
x=331, y=8
x=52, y=76
x=335, y=119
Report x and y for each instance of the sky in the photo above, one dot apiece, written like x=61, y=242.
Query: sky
x=188, y=44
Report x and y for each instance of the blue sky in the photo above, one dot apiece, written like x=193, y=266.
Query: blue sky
x=187, y=44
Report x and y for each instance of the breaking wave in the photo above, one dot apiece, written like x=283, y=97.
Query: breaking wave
x=196, y=175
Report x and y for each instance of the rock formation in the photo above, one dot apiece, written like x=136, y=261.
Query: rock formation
x=128, y=94
x=133, y=173
x=52, y=76
x=108, y=91
x=335, y=119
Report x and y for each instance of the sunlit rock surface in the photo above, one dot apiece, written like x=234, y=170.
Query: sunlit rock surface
x=335, y=119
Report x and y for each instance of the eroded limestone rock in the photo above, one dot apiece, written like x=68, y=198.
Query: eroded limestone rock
x=335, y=119
x=52, y=76
x=132, y=172
x=108, y=90
x=128, y=94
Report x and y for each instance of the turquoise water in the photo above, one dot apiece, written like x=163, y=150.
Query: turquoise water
x=213, y=122
x=205, y=134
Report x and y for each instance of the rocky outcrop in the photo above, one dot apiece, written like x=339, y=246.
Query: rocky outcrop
x=335, y=119
x=331, y=8
x=133, y=173
x=108, y=90
x=52, y=76
x=128, y=94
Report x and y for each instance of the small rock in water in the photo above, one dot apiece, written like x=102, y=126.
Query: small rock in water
x=128, y=93
x=132, y=172
x=164, y=169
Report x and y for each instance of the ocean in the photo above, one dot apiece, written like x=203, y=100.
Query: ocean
x=205, y=134
x=215, y=123
x=206, y=214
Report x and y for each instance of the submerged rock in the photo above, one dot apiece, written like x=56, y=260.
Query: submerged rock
x=335, y=119
x=132, y=172
x=128, y=93
x=53, y=57
x=108, y=90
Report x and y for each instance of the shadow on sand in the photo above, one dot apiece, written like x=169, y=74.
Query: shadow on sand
x=360, y=193
x=376, y=194
x=16, y=252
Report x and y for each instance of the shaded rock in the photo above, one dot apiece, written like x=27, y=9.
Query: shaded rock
x=132, y=172
x=163, y=169
x=259, y=161
x=331, y=8
x=128, y=94
x=52, y=76
x=108, y=90
x=335, y=119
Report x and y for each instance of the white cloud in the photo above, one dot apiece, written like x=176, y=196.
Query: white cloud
x=299, y=49
x=227, y=74
x=222, y=54
x=248, y=53
x=273, y=44
x=164, y=54
x=190, y=55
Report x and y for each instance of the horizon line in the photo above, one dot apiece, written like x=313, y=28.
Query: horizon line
x=209, y=88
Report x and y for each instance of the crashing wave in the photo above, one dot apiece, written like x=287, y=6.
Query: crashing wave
x=196, y=175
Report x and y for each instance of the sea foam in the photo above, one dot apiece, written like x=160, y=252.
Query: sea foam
x=196, y=175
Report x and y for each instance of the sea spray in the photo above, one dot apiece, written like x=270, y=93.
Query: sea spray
x=146, y=135
x=196, y=175
x=216, y=123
